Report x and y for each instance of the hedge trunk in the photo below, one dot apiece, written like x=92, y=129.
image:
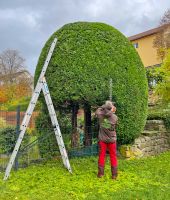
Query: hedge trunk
x=74, y=134
x=87, y=124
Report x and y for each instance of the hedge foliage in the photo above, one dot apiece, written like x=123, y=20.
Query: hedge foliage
x=8, y=138
x=160, y=112
x=86, y=56
x=22, y=102
x=154, y=76
x=47, y=143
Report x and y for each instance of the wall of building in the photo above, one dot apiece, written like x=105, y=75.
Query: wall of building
x=146, y=51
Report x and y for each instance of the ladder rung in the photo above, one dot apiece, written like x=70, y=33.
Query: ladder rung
x=57, y=135
x=60, y=136
x=24, y=125
x=50, y=104
x=52, y=115
x=60, y=145
x=56, y=127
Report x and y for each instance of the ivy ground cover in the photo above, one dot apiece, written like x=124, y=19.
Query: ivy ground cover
x=147, y=178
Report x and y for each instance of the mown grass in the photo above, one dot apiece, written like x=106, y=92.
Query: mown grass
x=147, y=178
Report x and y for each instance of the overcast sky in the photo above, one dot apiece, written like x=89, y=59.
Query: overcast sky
x=25, y=25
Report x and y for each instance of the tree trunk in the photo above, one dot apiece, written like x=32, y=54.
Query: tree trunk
x=74, y=135
x=87, y=124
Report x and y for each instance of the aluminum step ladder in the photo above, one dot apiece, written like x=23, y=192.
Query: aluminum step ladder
x=41, y=85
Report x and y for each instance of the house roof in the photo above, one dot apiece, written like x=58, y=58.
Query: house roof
x=146, y=33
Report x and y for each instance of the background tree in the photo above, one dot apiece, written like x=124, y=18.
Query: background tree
x=11, y=63
x=15, y=80
x=163, y=87
x=86, y=56
x=162, y=39
x=3, y=95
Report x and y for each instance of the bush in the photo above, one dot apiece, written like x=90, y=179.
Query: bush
x=23, y=103
x=160, y=115
x=12, y=106
x=47, y=143
x=3, y=123
x=86, y=56
x=154, y=76
x=8, y=138
x=46, y=139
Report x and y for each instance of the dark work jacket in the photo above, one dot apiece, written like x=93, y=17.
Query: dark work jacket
x=107, y=123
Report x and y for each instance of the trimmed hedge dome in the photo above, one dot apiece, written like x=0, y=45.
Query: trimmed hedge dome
x=86, y=56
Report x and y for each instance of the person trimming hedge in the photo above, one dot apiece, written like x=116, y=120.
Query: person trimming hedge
x=107, y=137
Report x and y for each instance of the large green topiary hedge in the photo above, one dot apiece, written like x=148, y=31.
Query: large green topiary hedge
x=86, y=56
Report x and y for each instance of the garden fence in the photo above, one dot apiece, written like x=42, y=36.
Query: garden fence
x=37, y=147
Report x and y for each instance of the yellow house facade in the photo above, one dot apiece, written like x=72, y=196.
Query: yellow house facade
x=143, y=42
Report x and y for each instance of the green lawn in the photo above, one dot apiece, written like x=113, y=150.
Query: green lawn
x=147, y=178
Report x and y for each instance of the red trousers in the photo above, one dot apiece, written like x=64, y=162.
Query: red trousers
x=102, y=153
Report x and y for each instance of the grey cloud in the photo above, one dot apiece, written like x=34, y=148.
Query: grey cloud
x=26, y=25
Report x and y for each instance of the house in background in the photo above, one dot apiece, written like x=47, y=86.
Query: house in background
x=143, y=42
x=16, y=77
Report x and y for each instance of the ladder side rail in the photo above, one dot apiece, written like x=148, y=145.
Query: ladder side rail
x=53, y=123
x=49, y=104
x=56, y=125
x=29, y=111
x=31, y=105
x=52, y=116
x=38, y=87
x=44, y=68
x=23, y=128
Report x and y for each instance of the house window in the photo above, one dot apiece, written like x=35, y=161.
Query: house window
x=135, y=45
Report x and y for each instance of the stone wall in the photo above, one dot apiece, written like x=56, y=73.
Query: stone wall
x=153, y=140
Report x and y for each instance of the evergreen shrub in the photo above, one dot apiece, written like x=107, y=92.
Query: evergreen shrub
x=86, y=56
x=8, y=138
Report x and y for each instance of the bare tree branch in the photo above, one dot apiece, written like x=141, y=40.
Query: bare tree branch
x=162, y=39
x=11, y=63
x=166, y=18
